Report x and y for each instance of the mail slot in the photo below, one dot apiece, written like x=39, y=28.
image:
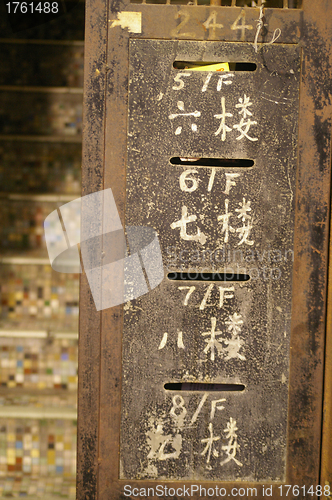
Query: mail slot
x=202, y=330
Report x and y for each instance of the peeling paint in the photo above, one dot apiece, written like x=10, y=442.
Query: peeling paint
x=130, y=20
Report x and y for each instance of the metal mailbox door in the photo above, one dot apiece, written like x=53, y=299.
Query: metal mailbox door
x=207, y=372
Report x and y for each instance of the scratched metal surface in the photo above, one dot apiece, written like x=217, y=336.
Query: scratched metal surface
x=230, y=332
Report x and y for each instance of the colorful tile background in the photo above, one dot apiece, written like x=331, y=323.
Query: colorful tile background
x=31, y=488
x=38, y=363
x=50, y=65
x=27, y=231
x=38, y=447
x=37, y=457
x=43, y=114
x=36, y=297
x=32, y=167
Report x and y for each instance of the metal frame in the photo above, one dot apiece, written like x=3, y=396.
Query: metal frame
x=104, y=164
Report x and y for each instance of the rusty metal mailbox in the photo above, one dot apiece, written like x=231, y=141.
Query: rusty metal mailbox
x=209, y=127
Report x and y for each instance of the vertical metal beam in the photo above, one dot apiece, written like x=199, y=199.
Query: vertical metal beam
x=90, y=319
x=326, y=460
x=311, y=244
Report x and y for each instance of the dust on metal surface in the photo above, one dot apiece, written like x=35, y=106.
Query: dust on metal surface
x=222, y=219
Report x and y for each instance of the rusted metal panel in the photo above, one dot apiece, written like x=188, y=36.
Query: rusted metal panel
x=112, y=319
x=311, y=245
x=213, y=332
x=187, y=22
x=101, y=375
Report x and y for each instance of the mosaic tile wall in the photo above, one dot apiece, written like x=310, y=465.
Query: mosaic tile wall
x=38, y=363
x=27, y=167
x=36, y=399
x=37, y=457
x=38, y=447
x=36, y=297
x=40, y=113
x=40, y=154
x=27, y=231
x=32, y=488
x=45, y=65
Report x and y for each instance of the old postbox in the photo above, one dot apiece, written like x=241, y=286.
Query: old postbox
x=208, y=127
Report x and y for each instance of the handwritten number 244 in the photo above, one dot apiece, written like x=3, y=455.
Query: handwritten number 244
x=210, y=24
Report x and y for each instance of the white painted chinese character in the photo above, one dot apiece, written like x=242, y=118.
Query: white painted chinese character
x=244, y=104
x=182, y=224
x=242, y=211
x=232, y=446
x=226, y=228
x=212, y=342
x=244, y=126
x=223, y=128
x=209, y=445
x=233, y=346
x=234, y=324
x=158, y=441
x=196, y=114
x=244, y=232
x=164, y=341
x=244, y=132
